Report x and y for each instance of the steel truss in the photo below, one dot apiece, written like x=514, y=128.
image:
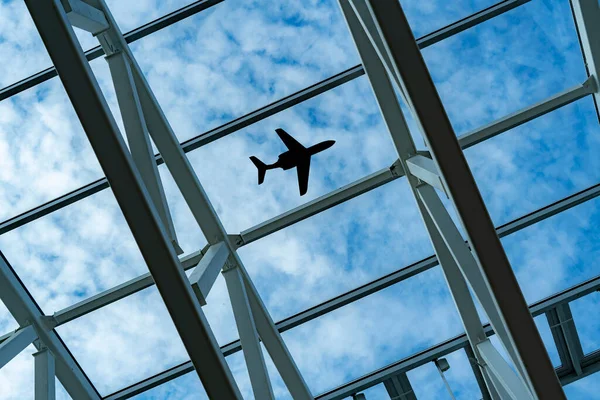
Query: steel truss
x=482, y=267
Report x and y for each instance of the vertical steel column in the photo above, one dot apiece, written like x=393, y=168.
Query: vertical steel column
x=255, y=362
x=44, y=375
x=133, y=199
x=499, y=277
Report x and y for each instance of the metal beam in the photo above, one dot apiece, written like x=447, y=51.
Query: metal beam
x=84, y=16
x=206, y=272
x=244, y=320
x=587, y=22
x=23, y=308
x=16, y=343
x=467, y=264
x=502, y=374
x=116, y=293
x=97, y=51
x=559, y=340
x=44, y=367
x=134, y=201
x=567, y=325
x=138, y=138
x=485, y=392
x=423, y=168
x=500, y=280
x=399, y=387
x=527, y=114
x=320, y=204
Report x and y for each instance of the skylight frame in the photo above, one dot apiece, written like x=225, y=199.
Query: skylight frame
x=349, y=191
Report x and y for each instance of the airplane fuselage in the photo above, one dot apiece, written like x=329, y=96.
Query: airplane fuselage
x=288, y=160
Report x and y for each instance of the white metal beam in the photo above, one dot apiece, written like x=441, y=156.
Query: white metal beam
x=424, y=169
x=587, y=20
x=502, y=373
x=255, y=362
x=44, y=375
x=276, y=347
x=84, y=16
x=399, y=388
x=567, y=325
x=466, y=262
x=16, y=343
x=206, y=272
x=138, y=138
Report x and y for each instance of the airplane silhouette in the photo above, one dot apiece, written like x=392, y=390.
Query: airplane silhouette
x=297, y=156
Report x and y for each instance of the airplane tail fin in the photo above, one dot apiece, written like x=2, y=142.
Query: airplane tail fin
x=262, y=169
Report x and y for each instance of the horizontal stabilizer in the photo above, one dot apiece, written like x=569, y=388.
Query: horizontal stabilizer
x=262, y=169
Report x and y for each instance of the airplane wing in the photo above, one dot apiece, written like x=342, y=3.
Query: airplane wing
x=303, y=169
x=289, y=141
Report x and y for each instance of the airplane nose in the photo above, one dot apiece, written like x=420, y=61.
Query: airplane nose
x=329, y=143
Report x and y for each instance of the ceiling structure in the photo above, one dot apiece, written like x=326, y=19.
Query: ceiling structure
x=466, y=244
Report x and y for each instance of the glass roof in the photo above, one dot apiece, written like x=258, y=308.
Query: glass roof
x=214, y=68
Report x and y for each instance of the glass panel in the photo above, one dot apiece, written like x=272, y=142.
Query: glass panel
x=542, y=324
x=138, y=335
x=212, y=67
x=337, y=250
x=428, y=16
x=584, y=389
x=506, y=63
x=374, y=331
x=556, y=253
x=74, y=253
x=538, y=163
x=44, y=152
x=21, y=47
x=362, y=147
x=585, y=314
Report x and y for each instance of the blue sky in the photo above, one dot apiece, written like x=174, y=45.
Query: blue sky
x=234, y=58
